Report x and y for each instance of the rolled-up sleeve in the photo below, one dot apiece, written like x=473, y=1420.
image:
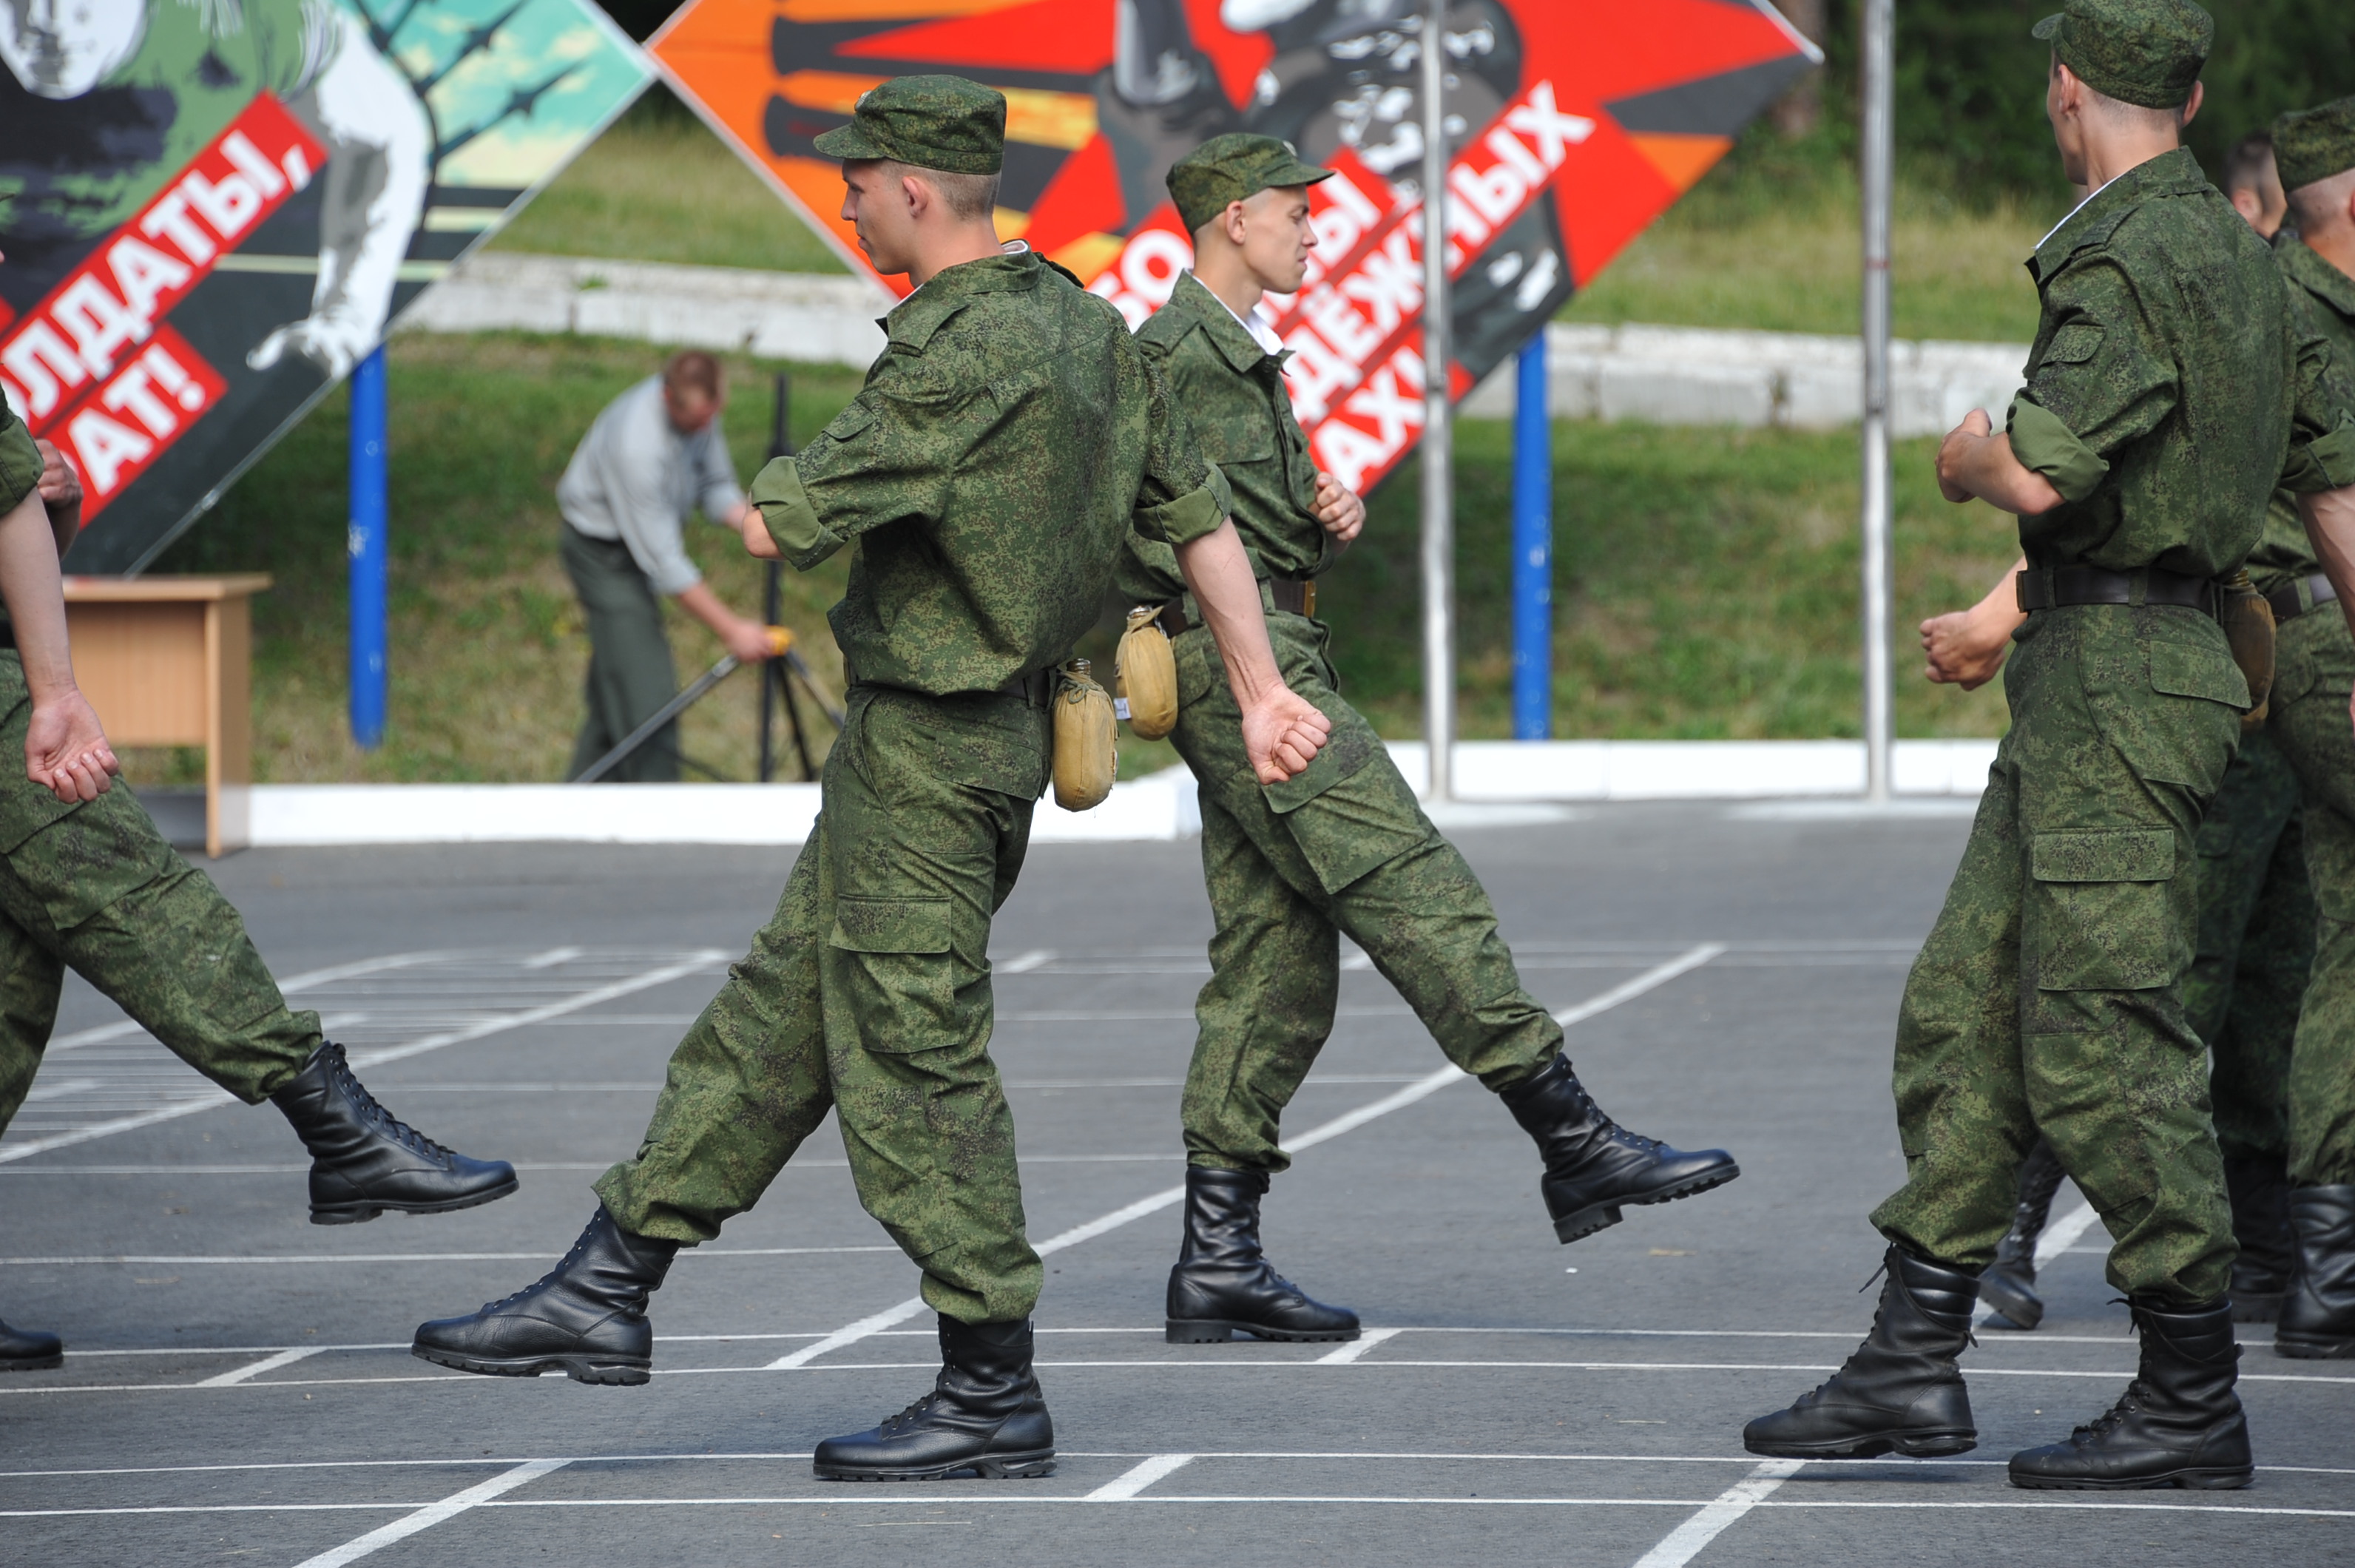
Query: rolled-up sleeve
x=877, y=462
x=2322, y=425
x=20, y=461
x=1184, y=496
x=2102, y=380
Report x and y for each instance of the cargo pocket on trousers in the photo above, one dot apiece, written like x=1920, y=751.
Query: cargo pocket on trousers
x=901, y=954
x=2103, y=915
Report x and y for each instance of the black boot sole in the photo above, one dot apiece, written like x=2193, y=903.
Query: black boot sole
x=1221, y=1331
x=610, y=1371
x=1596, y=1217
x=360, y=1211
x=2013, y=1308
x=2302, y=1348
x=1027, y=1466
x=2197, y=1479
x=1913, y=1444
x=31, y=1363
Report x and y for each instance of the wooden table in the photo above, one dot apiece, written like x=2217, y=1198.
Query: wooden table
x=167, y=661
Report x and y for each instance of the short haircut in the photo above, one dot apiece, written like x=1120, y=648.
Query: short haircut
x=969, y=196
x=2245, y=163
x=693, y=371
x=2118, y=112
x=2321, y=207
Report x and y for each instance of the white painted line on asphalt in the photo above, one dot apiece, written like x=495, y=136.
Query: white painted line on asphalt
x=480, y=1030
x=2059, y=1236
x=1356, y=1348
x=1128, y=1483
x=892, y=1317
x=1035, y=958
x=407, y=1257
x=551, y=958
x=267, y=1364
x=1682, y=1544
x=450, y=1507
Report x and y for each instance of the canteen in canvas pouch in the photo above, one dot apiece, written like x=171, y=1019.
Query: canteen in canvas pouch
x=2248, y=622
x=1146, y=674
x=1087, y=755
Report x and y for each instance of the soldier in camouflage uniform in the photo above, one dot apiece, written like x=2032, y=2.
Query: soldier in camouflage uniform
x=2315, y=670
x=87, y=882
x=1344, y=847
x=1003, y=447
x=2169, y=392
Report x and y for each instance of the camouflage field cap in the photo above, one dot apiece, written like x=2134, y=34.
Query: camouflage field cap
x=2312, y=145
x=1234, y=168
x=943, y=123
x=2138, y=51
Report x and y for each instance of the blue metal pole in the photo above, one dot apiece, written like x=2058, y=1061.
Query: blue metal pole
x=1532, y=550
x=366, y=544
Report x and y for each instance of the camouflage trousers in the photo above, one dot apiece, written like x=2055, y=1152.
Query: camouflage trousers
x=2315, y=667
x=2255, y=947
x=868, y=995
x=2048, y=994
x=1343, y=848
x=94, y=887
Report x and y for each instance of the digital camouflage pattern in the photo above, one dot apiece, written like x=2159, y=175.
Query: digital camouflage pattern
x=1344, y=847
x=2047, y=995
x=2312, y=145
x=94, y=888
x=942, y=123
x=2169, y=392
x=868, y=994
x=2255, y=947
x=1231, y=168
x=2160, y=465
x=2138, y=52
x=1234, y=394
x=2323, y=300
x=991, y=469
x=20, y=460
x=631, y=674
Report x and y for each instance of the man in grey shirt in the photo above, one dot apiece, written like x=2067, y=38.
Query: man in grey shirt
x=654, y=456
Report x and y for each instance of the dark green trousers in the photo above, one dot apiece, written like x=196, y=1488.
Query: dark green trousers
x=95, y=888
x=2314, y=668
x=868, y=994
x=631, y=675
x=1345, y=847
x=2256, y=947
x=2049, y=996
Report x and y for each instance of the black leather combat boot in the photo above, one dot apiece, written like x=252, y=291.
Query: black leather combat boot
x=2317, y=1315
x=2260, y=1192
x=1592, y=1165
x=1900, y=1389
x=2009, y=1284
x=30, y=1350
x=363, y=1162
x=984, y=1415
x=2178, y=1424
x=586, y=1318
x=1223, y=1284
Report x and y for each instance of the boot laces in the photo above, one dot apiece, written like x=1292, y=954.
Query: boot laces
x=376, y=1115
x=562, y=1264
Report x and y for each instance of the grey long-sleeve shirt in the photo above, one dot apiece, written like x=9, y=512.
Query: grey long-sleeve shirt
x=634, y=478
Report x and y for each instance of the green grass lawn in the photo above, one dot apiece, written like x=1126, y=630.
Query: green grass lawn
x=1706, y=579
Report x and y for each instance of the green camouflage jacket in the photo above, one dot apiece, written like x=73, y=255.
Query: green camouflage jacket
x=2169, y=392
x=1004, y=444
x=1234, y=394
x=20, y=462
x=2323, y=298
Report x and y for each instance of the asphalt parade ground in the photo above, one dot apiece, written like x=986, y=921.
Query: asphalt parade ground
x=238, y=1384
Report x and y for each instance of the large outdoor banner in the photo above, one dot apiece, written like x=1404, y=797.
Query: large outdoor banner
x=209, y=209
x=1571, y=125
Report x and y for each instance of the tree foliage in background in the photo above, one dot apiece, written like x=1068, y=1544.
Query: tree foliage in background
x=1970, y=82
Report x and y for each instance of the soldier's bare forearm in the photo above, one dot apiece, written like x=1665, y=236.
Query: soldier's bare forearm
x=34, y=593
x=2329, y=520
x=1219, y=574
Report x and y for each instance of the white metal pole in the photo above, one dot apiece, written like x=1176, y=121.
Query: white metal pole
x=1438, y=458
x=1878, y=153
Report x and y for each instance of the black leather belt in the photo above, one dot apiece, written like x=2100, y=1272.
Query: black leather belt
x=2285, y=599
x=1293, y=595
x=2051, y=587
x=1033, y=687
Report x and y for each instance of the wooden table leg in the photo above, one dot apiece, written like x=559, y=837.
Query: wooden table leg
x=228, y=725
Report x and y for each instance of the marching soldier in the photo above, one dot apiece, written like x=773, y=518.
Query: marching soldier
x=1341, y=848
x=1004, y=443
x=87, y=882
x=2169, y=392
